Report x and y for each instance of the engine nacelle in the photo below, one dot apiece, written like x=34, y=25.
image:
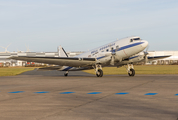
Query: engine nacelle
x=104, y=60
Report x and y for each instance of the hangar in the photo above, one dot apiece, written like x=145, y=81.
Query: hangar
x=7, y=62
x=173, y=59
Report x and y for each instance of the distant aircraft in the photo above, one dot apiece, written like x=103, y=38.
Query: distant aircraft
x=118, y=53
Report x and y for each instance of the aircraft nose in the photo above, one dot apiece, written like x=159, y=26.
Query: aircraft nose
x=144, y=44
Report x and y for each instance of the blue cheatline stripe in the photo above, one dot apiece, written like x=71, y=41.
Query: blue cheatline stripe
x=129, y=46
x=100, y=57
x=151, y=93
x=67, y=92
x=176, y=94
x=41, y=92
x=124, y=47
x=94, y=93
x=17, y=92
x=133, y=57
x=124, y=93
x=67, y=68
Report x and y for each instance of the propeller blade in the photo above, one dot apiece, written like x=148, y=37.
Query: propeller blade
x=145, y=55
x=147, y=48
x=113, y=53
x=146, y=59
x=112, y=60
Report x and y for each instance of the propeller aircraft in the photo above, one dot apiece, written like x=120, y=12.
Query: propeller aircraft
x=118, y=53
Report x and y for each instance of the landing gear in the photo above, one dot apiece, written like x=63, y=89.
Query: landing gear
x=98, y=70
x=99, y=73
x=66, y=74
x=130, y=70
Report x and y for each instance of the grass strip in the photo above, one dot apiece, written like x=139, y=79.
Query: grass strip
x=14, y=70
x=139, y=69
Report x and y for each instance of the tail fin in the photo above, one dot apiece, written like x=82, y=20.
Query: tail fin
x=62, y=52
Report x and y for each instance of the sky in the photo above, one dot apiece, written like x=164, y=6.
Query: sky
x=81, y=25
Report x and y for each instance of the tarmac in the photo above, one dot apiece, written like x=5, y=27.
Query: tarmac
x=48, y=95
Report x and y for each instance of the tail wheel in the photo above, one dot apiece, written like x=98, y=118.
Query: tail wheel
x=131, y=72
x=99, y=73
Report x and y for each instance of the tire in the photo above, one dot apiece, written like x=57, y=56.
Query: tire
x=100, y=73
x=65, y=74
x=132, y=72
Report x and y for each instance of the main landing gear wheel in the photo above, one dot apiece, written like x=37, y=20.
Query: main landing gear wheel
x=65, y=74
x=99, y=73
x=131, y=72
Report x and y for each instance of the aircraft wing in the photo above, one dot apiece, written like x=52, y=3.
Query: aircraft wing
x=157, y=57
x=63, y=61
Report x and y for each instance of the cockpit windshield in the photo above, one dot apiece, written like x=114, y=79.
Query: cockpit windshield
x=134, y=39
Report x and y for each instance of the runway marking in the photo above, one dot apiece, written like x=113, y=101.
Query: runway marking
x=67, y=92
x=94, y=93
x=17, y=92
x=41, y=92
x=122, y=93
x=151, y=93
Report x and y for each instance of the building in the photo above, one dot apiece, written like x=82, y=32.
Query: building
x=4, y=61
x=173, y=59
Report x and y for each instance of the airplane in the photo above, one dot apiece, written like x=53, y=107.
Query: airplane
x=118, y=53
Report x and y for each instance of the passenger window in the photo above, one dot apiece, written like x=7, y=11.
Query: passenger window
x=107, y=50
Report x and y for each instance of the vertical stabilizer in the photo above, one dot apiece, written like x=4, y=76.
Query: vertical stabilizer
x=62, y=52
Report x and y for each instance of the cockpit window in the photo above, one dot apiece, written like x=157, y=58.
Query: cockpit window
x=136, y=39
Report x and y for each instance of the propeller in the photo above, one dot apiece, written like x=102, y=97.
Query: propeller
x=145, y=55
x=112, y=58
x=113, y=53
